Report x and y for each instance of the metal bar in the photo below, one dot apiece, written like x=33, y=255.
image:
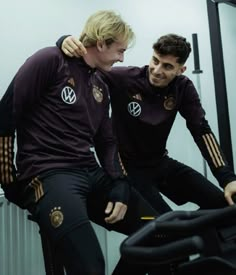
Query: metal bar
x=197, y=70
x=229, y=2
x=220, y=83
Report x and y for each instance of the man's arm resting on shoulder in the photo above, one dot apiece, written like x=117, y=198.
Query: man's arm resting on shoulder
x=71, y=46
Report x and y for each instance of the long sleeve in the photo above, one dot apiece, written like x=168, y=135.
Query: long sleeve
x=106, y=149
x=21, y=96
x=60, y=40
x=205, y=139
x=7, y=137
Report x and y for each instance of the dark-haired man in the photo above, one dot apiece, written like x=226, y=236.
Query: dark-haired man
x=145, y=102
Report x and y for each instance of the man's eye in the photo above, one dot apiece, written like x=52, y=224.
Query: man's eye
x=169, y=67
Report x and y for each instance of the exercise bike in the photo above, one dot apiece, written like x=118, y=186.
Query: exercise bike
x=199, y=242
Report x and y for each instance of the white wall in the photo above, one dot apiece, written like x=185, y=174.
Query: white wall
x=27, y=25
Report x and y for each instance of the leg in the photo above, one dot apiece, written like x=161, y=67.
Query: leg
x=82, y=255
x=52, y=259
x=62, y=215
x=137, y=207
x=145, y=181
x=183, y=184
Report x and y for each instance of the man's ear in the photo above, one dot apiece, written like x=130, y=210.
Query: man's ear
x=100, y=45
x=182, y=69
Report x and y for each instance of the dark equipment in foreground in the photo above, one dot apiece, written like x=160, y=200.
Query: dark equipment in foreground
x=186, y=242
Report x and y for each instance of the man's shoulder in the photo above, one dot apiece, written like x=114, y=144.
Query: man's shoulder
x=131, y=70
x=123, y=73
x=183, y=78
x=183, y=81
x=48, y=52
x=44, y=61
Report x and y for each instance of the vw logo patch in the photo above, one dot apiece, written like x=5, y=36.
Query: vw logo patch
x=68, y=95
x=134, y=109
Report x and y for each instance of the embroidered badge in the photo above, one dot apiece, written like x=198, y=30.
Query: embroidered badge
x=97, y=93
x=169, y=103
x=56, y=217
x=71, y=81
x=68, y=95
x=134, y=109
x=138, y=97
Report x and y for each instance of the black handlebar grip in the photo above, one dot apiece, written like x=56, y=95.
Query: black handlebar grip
x=164, y=253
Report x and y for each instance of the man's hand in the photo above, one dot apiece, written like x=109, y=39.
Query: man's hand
x=116, y=210
x=230, y=192
x=118, y=198
x=72, y=47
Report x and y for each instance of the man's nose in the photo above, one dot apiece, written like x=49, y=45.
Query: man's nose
x=121, y=57
x=157, y=69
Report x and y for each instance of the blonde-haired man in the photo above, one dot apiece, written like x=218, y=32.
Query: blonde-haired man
x=108, y=27
x=59, y=109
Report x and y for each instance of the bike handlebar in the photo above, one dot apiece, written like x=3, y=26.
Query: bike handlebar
x=185, y=223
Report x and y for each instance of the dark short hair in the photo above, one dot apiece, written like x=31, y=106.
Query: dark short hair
x=173, y=44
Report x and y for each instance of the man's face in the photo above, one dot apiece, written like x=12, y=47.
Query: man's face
x=163, y=69
x=109, y=55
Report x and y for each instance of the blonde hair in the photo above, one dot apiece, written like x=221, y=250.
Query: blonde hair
x=106, y=25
